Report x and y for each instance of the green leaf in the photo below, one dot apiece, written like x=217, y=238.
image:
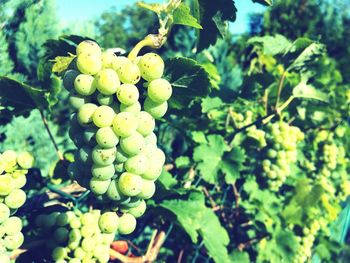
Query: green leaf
x=232, y=164
x=239, y=257
x=306, y=91
x=197, y=219
x=198, y=137
x=61, y=63
x=264, y=2
x=17, y=98
x=209, y=103
x=182, y=16
x=182, y=162
x=271, y=45
x=214, y=75
x=209, y=157
x=167, y=180
x=189, y=81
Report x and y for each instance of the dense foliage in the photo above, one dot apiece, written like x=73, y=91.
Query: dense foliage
x=256, y=134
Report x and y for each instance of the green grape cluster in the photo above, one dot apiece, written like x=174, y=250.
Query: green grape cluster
x=13, y=170
x=79, y=237
x=282, y=141
x=117, y=157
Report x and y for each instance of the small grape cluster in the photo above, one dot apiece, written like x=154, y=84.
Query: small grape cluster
x=282, y=141
x=117, y=157
x=80, y=237
x=13, y=170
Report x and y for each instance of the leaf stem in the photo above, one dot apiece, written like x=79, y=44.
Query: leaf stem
x=280, y=86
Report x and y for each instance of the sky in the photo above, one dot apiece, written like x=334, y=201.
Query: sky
x=80, y=10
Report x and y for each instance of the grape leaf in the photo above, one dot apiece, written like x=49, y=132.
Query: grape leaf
x=198, y=220
x=210, y=103
x=61, y=63
x=271, y=45
x=182, y=16
x=188, y=79
x=239, y=257
x=306, y=91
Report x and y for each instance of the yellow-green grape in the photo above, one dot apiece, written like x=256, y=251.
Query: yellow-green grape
x=159, y=90
x=60, y=235
x=25, y=160
x=129, y=73
x=89, y=64
x=88, y=219
x=79, y=253
x=101, y=253
x=106, y=138
x=15, y=199
x=68, y=78
x=64, y=219
x=133, y=108
x=124, y=124
x=108, y=222
x=119, y=62
x=73, y=260
x=102, y=172
x=159, y=154
x=76, y=100
x=4, y=213
x=107, y=81
x=147, y=190
x=88, y=244
x=130, y=184
x=113, y=191
x=12, y=225
x=6, y=184
x=128, y=94
x=103, y=156
x=146, y=123
x=88, y=47
x=19, y=181
x=4, y=258
x=75, y=223
x=103, y=116
x=85, y=113
x=14, y=241
x=10, y=159
x=157, y=110
x=155, y=167
x=149, y=150
x=108, y=238
x=104, y=99
x=59, y=253
x=151, y=66
x=137, y=164
x=139, y=210
x=99, y=187
x=133, y=144
x=127, y=224
x=84, y=85
x=151, y=139
x=107, y=58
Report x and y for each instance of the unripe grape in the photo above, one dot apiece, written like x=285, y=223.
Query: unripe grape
x=101, y=253
x=128, y=94
x=124, y=124
x=12, y=225
x=89, y=64
x=151, y=139
x=103, y=172
x=119, y=62
x=159, y=90
x=154, y=170
x=104, y=99
x=85, y=113
x=146, y=123
x=25, y=160
x=99, y=187
x=157, y=110
x=5, y=258
x=147, y=190
x=4, y=213
x=103, y=116
x=133, y=144
x=10, y=158
x=103, y=156
x=107, y=81
x=88, y=47
x=129, y=73
x=107, y=58
x=79, y=253
x=113, y=191
x=106, y=138
x=16, y=199
x=15, y=241
x=88, y=244
x=84, y=85
x=7, y=184
x=130, y=184
x=139, y=210
x=151, y=66
x=127, y=224
x=61, y=235
x=133, y=108
x=137, y=164
x=108, y=222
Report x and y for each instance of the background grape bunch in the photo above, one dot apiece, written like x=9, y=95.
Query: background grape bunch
x=117, y=156
x=13, y=170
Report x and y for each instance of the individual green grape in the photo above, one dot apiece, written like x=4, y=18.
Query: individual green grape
x=159, y=154
x=133, y=108
x=88, y=244
x=119, y=62
x=74, y=260
x=104, y=99
x=75, y=223
x=85, y=113
x=108, y=222
x=19, y=181
x=79, y=253
x=14, y=241
x=88, y=219
x=5, y=258
x=84, y=85
x=157, y=110
x=25, y=160
x=15, y=199
x=119, y=168
x=151, y=139
x=107, y=238
x=121, y=156
x=59, y=253
x=124, y=124
x=149, y=150
x=147, y=190
x=101, y=253
x=60, y=235
x=10, y=158
x=89, y=64
x=133, y=202
x=87, y=231
x=107, y=81
x=129, y=73
x=139, y=210
x=106, y=138
x=7, y=184
x=113, y=192
x=103, y=156
x=103, y=116
x=4, y=213
x=64, y=219
x=127, y=224
x=76, y=100
x=85, y=154
x=151, y=66
x=128, y=94
x=154, y=170
x=159, y=90
x=99, y=187
x=133, y=144
x=137, y=164
x=107, y=58
x=102, y=172
x=130, y=184
x=146, y=123
x=88, y=47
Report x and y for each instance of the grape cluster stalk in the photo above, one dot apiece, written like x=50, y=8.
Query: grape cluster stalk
x=116, y=102
x=13, y=170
